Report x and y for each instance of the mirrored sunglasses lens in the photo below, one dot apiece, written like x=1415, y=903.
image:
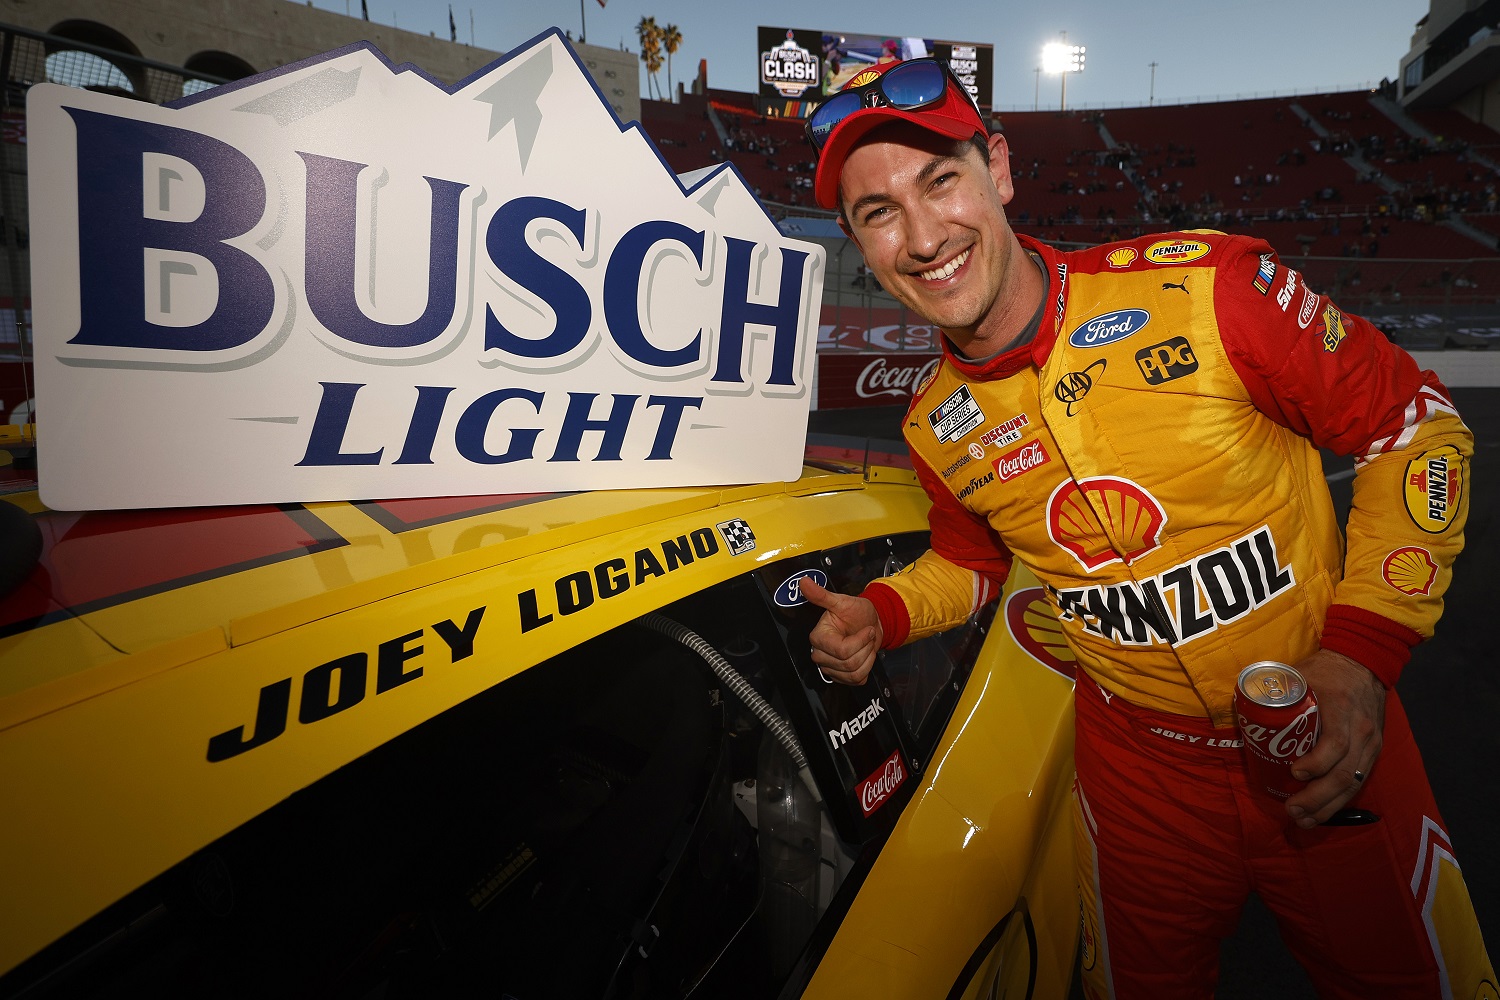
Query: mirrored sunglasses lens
x=914, y=84
x=829, y=114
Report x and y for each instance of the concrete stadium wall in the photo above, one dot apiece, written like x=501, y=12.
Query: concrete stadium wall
x=270, y=33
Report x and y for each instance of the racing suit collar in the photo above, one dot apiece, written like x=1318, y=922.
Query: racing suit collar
x=1033, y=353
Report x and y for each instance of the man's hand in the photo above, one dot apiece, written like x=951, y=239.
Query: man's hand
x=1351, y=702
x=847, y=637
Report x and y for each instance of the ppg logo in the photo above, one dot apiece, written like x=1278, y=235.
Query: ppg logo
x=789, y=594
x=1109, y=328
x=1165, y=361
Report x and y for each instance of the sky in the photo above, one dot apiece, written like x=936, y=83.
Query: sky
x=1202, y=48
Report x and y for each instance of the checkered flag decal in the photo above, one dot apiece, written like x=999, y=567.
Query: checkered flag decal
x=737, y=535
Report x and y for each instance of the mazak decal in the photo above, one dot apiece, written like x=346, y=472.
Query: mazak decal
x=1171, y=359
x=790, y=68
x=1265, y=274
x=1176, y=251
x=1034, y=626
x=1333, y=328
x=1284, y=296
x=789, y=592
x=1007, y=433
x=1109, y=328
x=1123, y=257
x=1309, y=307
x=850, y=728
x=1073, y=386
x=1187, y=601
x=876, y=789
x=362, y=282
x=1411, y=570
x=1021, y=461
x=956, y=416
x=579, y=590
x=1433, y=488
x=339, y=684
x=737, y=536
x=1134, y=517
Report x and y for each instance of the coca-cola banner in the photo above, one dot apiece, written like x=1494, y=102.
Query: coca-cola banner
x=846, y=380
x=873, y=328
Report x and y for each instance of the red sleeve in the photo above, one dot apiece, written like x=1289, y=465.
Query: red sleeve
x=958, y=535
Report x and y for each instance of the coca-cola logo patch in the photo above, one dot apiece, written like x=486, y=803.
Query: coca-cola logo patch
x=881, y=378
x=1020, y=461
x=877, y=789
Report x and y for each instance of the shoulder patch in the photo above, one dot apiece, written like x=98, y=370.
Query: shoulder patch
x=1177, y=251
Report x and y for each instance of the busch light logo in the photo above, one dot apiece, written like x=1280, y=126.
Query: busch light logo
x=344, y=279
x=789, y=594
x=1109, y=328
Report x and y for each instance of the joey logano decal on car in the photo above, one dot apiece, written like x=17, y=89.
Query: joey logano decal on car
x=578, y=590
x=737, y=535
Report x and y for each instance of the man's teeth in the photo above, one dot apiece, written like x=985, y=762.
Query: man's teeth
x=939, y=273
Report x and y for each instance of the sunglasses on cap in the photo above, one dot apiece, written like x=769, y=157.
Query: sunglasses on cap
x=910, y=86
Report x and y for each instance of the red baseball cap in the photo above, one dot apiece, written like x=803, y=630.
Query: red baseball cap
x=955, y=117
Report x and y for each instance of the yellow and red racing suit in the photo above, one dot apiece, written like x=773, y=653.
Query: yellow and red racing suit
x=1152, y=456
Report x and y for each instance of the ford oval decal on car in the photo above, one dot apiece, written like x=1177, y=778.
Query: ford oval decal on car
x=1109, y=328
x=789, y=594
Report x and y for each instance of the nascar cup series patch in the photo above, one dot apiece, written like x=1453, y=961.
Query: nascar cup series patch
x=956, y=416
x=1433, y=488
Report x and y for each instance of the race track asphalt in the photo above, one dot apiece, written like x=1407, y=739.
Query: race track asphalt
x=1451, y=690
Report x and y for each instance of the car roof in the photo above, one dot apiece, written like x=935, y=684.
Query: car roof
x=139, y=591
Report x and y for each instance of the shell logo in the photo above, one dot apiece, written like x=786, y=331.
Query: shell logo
x=862, y=79
x=1410, y=569
x=1134, y=515
x=1123, y=257
x=1034, y=626
x=1176, y=251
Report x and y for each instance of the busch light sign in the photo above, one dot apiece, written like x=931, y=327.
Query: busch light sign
x=344, y=280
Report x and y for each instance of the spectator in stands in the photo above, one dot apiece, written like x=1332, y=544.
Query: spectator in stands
x=1212, y=452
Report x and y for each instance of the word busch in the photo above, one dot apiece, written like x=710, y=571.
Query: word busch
x=1231, y=582
x=853, y=727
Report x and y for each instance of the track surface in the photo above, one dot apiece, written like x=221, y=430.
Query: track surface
x=1451, y=690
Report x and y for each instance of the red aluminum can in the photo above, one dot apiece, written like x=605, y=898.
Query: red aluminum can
x=1278, y=720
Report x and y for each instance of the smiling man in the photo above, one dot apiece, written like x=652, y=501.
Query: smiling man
x=1138, y=424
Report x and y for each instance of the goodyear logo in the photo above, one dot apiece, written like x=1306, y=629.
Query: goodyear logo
x=1123, y=257
x=1176, y=251
x=1333, y=329
x=1109, y=328
x=1165, y=361
x=1433, y=488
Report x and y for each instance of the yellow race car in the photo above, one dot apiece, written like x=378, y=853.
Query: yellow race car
x=520, y=746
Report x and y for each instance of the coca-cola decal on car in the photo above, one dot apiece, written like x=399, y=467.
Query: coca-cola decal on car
x=1019, y=461
x=877, y=789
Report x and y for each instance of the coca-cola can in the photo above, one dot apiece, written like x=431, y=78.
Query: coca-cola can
x=1278, y=720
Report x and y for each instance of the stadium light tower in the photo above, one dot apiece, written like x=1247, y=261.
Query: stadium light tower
x=1061, y=58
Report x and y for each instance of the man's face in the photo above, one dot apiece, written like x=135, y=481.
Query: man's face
x=928, y=214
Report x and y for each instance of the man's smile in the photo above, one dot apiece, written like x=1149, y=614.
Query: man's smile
x=946, y=270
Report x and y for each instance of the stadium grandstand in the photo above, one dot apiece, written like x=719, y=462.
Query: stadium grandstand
x=1394, y=212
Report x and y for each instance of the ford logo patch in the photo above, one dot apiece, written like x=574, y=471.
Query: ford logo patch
x=1109, y=328
x=789, y=594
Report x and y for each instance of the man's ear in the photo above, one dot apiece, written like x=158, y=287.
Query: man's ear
x=1000, y=167
x=844, y=225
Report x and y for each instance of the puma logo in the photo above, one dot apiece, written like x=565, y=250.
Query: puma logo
x=1183, y=285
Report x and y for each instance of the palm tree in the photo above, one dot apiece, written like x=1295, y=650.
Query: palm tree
x=650, y=37
x=671, y=40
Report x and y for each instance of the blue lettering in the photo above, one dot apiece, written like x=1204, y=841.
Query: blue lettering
x=671, y=419
x=422, y=432
x=332, y=186
x=113, y=232
x=506, y=243
x=325, y=443
x=475, y=422
x=622, y=282
x=739, y=313
x=578, y=419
